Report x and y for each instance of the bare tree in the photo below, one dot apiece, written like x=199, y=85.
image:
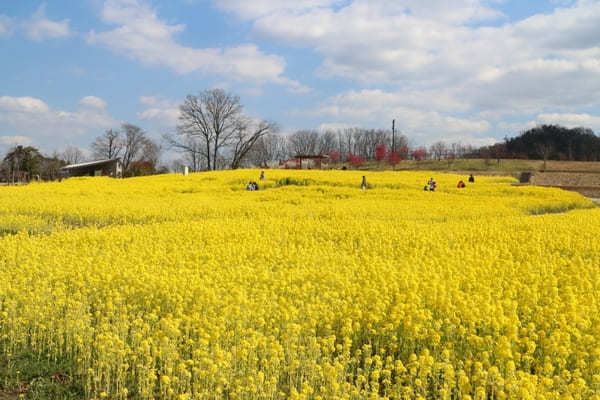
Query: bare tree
x=402, y=145
x=133, y=143
x=459, y=149
x=270, y=147
x=544, y=149
x=213, y=116
x=370, y=139
x=304, y=142
x=50, y=167
x=328, y=142
x=245, y=138
x=438, y=149
x=151, y=152
x=72, y=155
x=349, y=140
x=177, y=165
x=194, y=154
x=108, y=146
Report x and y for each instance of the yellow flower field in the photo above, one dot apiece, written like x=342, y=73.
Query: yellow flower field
x=177, y=287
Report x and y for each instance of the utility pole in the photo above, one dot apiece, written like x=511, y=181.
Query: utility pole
x=393, y=135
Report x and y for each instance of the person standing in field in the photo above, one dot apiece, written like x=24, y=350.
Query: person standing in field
x=262, y=175
x=432, y=185
x=471, y=179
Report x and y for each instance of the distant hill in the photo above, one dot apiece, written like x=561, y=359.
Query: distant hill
x=554, y=142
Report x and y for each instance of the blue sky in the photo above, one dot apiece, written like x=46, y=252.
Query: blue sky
x=472, y=71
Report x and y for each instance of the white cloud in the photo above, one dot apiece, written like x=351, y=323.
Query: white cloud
x=39, y=27
x=260, y=8
x=412, y=114
x=162, y=111
x=6, y=26
x=544, y=63
x=378, y=40
x=537, y=86
x=142, y=35
x=155, y=100
x=15, y=140
x=333, y=126
x=165, y=117
x=23, y=104
x=93, y=101
x=293, y=86
x=515, y=128
x=32, y=117
x=570, y=120
x=458, y=10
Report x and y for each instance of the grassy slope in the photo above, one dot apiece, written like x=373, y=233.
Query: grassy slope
x=488, y=167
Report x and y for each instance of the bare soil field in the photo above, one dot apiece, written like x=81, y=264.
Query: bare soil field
x=563, y=178
x=587, y=183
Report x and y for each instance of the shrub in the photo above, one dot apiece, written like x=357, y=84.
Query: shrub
x=354, y=160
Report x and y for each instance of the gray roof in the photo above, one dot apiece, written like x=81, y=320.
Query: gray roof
x=90, y=163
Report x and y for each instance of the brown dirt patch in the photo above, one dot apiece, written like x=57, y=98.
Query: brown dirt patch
x=585, y=183
x=583, y=179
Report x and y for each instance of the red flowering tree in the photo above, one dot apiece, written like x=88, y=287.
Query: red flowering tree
x=380, y=151
x=394, y=158
x=334, y=156
x=354, y=160
x=419, y=154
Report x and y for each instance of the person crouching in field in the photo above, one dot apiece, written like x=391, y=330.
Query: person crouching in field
x=461, y=185
x=252, y=186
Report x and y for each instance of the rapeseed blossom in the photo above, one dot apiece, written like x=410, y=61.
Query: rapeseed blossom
x=179, y=287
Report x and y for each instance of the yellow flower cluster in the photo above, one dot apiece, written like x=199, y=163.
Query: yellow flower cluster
x=177, y=287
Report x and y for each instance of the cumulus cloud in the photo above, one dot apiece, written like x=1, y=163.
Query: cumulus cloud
x=571, y=120
x=458, y=10
x=142, y=35
x=260, y=8
x=537, y=86
x=39, y=27
x=542, y=64
x=32, y=117
x=370, y=107
x=23, y=104
x=159, y=110
x=93, y=101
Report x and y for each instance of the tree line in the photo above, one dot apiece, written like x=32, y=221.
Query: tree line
x=213, y=132
x=139, y=154
x=546, y=142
